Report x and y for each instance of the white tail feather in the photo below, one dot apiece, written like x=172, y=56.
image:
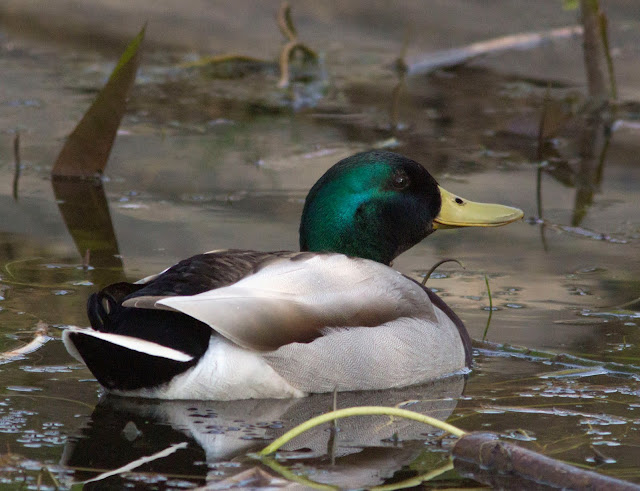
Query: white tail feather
x=129, y=342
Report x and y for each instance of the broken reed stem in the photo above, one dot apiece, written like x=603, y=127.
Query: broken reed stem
x=285, y=23
x=593, y=47
x=539, y=190
x=288, y=30
x=604, y=35
x=437, y=265
x=602, y=158
x=542, y=124
x=359, y=411
x=16, y=159
x=285, y=57
x=486, y=329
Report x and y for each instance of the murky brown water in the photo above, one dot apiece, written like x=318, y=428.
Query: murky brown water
x=202, y=164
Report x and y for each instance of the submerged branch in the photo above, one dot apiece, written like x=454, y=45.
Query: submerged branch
x=505, y=465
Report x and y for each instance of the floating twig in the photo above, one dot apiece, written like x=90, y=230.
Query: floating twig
x=138, y=462
x=457, y=56
x=582, y=232
x=39, y=339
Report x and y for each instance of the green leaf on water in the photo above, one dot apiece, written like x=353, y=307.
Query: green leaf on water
x=86, y=151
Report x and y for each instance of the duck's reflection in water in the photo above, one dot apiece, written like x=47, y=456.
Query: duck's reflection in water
x=363, y=452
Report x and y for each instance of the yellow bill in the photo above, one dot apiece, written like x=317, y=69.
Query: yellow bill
x=460, y=212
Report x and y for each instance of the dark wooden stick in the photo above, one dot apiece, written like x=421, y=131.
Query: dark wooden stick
x=485, y=458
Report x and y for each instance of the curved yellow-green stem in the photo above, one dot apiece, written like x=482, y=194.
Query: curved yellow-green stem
x=359, y=411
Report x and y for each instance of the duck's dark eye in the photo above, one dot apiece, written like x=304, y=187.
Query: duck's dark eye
x=400, y=180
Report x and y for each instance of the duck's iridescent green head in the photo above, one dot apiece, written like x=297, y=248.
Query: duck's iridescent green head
x=378, y=204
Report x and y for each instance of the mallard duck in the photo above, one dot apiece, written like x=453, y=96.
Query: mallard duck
x=237, y=324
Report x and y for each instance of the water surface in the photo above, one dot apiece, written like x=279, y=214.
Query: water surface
x=202, y=164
